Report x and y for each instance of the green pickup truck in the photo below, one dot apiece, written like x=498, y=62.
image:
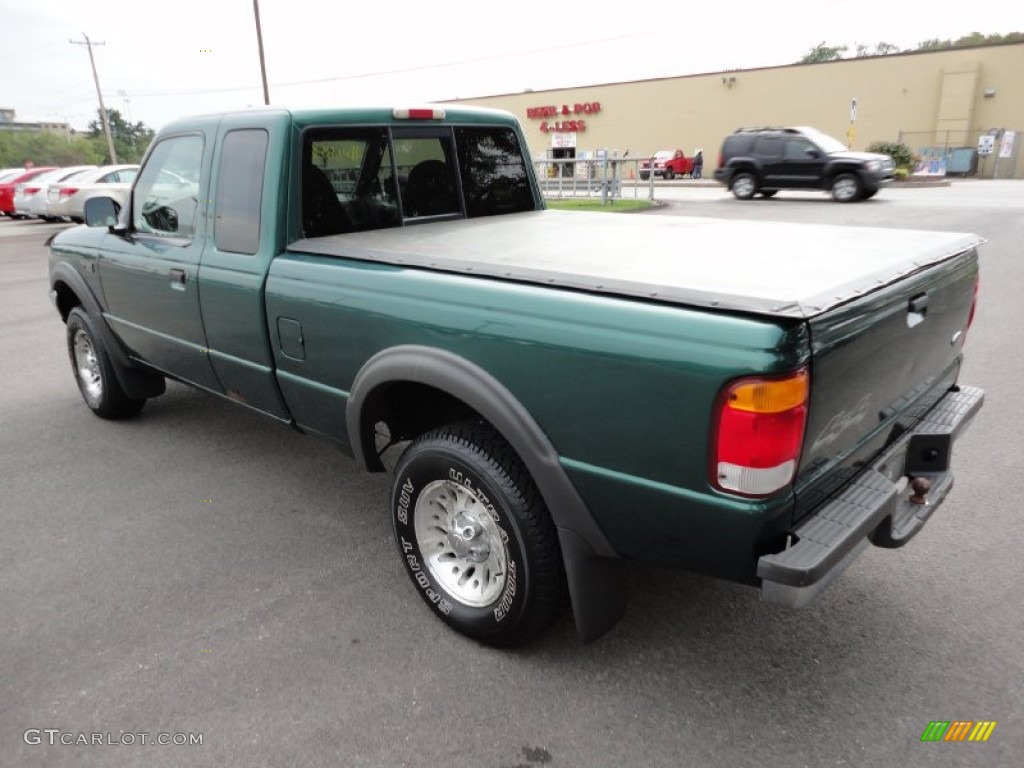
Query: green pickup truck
x=757, y=401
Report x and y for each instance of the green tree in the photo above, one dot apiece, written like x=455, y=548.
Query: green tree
x=975, y=38
x=43, y=148
x=823, y=52
x=878, y=49
x=130, y=139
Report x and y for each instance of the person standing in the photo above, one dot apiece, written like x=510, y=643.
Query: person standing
x=698, y=165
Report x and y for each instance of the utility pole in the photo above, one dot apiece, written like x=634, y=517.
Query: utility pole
x=259, y=41
x=99, y=94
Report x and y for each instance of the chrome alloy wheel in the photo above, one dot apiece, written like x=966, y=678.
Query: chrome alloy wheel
x=845, y=188
x=87, y=366
x=744, y=186
x=461, y=543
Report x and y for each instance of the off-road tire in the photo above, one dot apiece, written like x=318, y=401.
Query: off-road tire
x=463, y=477
x=93, y=371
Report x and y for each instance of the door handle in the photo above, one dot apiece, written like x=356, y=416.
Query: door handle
x=178, y=276
x=919, y=303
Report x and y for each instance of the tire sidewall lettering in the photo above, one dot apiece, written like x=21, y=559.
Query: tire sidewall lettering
x=412, y=478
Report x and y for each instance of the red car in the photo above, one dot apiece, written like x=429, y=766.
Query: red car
x=7, y=188
x=668, y=164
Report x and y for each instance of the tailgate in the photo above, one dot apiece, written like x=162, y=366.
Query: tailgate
x=878, y=364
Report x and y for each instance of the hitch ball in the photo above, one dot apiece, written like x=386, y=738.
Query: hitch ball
x=920, y=486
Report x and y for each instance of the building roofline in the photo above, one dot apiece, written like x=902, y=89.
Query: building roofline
x=721, y=72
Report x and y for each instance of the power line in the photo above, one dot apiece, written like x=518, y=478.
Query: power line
x=99, y=94
x=381, y=73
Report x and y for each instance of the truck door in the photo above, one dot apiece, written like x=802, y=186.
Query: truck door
x=149, y=273
x=244, y=230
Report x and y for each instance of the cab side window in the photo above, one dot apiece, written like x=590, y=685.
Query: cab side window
x=166, y=196
x=239, y=193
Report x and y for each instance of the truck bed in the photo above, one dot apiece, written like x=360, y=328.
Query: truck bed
x=768, y=268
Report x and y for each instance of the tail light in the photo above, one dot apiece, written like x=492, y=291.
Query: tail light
x=721, y=159
x=418, y=113
x=974, y=302
x=758, y=433
x=67, y=191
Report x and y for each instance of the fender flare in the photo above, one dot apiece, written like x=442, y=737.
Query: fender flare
x=135, y=382
x=592, y=566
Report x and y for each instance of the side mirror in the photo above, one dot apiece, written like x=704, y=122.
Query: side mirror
x=160, y=217
x=812, y=153
x=101, y=212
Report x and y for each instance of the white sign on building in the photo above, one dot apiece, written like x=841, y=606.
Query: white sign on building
x=1006, y=144
x=563, y=141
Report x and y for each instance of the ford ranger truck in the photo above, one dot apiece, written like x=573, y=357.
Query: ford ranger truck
x=556, y=394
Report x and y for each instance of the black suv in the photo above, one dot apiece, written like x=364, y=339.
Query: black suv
x=765, y=160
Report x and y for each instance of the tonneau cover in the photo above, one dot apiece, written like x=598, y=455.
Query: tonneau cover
x=771, y=268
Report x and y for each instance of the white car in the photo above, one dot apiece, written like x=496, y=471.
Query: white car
x=67, y=199
x=30, y=196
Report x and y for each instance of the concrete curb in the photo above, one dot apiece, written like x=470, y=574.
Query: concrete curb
x=913, y=183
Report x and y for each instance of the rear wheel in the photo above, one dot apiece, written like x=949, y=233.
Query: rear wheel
x=845, y=188
x=669, y=174
x=475, y=536
x=644, y=176
x=94, y=373
x=744, y=185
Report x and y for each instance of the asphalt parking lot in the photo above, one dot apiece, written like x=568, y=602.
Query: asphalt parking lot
x=198, y=570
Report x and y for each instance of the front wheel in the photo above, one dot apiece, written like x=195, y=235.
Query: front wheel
x=744, y=185
x=94, y=373
x=475, y=536
x=845, y=188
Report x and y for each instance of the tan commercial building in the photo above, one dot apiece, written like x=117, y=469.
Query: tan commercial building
x=961, y=110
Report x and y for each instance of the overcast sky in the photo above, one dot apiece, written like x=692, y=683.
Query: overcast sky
x=163, y=60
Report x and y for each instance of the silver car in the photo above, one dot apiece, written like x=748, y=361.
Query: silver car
x=30, y=196
x=67, y=199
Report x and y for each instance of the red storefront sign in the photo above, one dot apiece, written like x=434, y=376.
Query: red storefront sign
x=563, y=126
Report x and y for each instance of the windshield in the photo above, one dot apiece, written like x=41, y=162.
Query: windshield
x=824, y=141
